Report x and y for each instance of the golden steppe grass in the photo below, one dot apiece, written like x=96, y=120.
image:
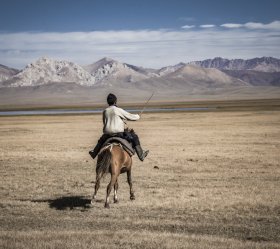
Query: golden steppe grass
x=216, y=184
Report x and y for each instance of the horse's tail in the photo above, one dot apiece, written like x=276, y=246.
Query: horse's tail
x=103, y=163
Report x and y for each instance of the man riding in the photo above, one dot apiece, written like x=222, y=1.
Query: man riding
x=114, y=126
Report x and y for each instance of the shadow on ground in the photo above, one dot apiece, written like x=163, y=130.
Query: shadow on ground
x=68, y=202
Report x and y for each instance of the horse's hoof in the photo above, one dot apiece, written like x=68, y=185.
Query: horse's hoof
x=107, y=205
x=116, y=201
x=132, y=197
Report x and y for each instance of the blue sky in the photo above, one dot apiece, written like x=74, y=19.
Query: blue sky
x=145, y=33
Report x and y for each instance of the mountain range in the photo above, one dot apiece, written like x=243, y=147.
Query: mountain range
x=49, y=80
x=257, y=71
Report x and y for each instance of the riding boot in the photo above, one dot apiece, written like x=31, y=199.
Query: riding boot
x=140, y=153
x=93, y=153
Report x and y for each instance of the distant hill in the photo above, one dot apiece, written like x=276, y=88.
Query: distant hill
x=263, y=64
x=256, y=78
x=109, y=71
x=46, y=70
x=169, y=69
x=204, y=77
x=7, y=72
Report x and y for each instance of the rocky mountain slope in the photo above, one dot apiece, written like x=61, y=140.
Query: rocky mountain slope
x=46, y=70
x=169, y=69
x=263, y=64
x=108, y=70
x=205, y=77
x=255, y=78
x=7, y=72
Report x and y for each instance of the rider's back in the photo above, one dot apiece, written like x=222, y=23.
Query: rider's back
x=113, y=117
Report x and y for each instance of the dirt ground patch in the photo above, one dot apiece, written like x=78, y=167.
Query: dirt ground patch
x=212, y=180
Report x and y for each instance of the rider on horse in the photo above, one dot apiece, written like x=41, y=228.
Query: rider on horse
x=114, y=126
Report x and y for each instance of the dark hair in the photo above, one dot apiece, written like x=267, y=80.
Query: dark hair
x=111, y=99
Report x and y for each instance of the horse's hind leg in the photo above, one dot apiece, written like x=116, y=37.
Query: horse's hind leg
x=116, y=186
x=96, y=187
x=109, y=188
x=132, y=196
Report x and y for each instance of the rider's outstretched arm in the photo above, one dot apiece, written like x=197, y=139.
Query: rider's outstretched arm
x=126, y=115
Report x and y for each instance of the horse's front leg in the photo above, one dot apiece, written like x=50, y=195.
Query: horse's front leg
x=132, y=196
x=116, y=186
x=109, y=188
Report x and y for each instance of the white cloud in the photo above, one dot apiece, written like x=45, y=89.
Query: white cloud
x=148, y=48
x=256, y=25
x=207, y=26
x=187, y=26
x=231, y=25
x=275, y=25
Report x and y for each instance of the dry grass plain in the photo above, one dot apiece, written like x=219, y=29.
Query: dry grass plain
x=217, y=184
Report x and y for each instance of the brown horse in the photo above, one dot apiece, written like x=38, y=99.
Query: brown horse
x=115, y=160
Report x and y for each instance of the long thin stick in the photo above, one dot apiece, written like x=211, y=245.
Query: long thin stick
x=146, y=104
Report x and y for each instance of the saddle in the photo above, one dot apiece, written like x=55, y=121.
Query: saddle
x=117, y=140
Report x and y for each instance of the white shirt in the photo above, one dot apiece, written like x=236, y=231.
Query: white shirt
x=113, y=117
